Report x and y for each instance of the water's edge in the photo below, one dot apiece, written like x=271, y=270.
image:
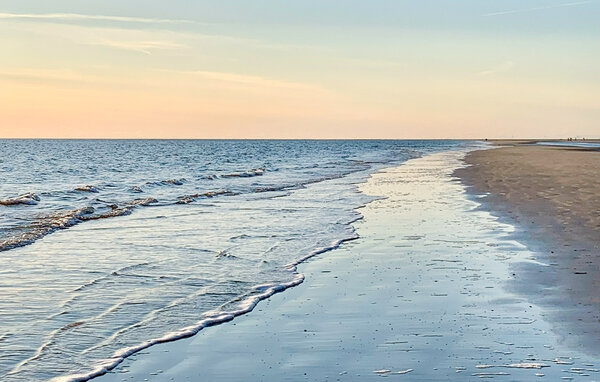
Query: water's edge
x=247, y=303
x=463, y=320
x=163, y=271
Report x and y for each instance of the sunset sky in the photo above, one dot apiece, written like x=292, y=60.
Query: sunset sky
x=299, y=69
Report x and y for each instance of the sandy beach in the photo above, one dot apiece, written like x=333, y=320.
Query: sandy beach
x=426, y=294
x=299, y=191
x=551, y=195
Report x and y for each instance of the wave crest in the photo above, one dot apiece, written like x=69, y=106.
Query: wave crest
x=87, y=188
x=27, y=199
x=245, y=174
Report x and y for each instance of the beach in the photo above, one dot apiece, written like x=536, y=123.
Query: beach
x=551, y=195
x=428, y=292
x=297, y=190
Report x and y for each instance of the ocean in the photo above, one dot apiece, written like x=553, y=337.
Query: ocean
x=110, y=246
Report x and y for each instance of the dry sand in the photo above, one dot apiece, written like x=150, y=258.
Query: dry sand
x=553, y=196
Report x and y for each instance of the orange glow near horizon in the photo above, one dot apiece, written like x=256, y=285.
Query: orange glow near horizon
x=82, y=76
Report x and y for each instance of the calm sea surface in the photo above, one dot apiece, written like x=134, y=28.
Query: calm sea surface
x=107, y=247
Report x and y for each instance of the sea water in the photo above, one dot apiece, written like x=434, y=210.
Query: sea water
x=110, y=246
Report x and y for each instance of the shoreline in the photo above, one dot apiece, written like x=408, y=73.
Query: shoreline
x=116, y=286
x=547, y=193
x=424, y=285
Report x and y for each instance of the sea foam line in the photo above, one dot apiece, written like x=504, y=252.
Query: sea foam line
x=210, y=318
x=66, y=219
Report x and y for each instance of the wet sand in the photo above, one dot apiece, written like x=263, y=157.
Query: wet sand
x=552, y=195
x=423, y=295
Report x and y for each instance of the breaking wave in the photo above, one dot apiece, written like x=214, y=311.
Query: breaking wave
x=27, y=199
x=245, y=174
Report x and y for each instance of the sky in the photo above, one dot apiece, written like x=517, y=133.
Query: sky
x=391, y=69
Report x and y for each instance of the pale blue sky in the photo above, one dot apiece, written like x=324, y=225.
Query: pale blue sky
x=393, y=69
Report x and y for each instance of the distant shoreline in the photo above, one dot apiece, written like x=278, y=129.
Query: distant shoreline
x=250, y=139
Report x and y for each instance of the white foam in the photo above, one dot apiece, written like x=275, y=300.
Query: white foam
x=523, y=365
x=27, y=199
x=209, y=319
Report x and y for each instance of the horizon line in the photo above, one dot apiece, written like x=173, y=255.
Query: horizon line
x=301, y=139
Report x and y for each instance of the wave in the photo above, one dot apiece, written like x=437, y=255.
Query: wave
x=87, y=188
x=186, y=199
x=245, y=174
x=271, y=189
x=143, y=202
x=45, y=225
x=27, y=199
x=175, y=182
x=106, y=276
x=245, y=304
x=168, y=182
x=48, y=224
x=4, y=336
x=114, y=212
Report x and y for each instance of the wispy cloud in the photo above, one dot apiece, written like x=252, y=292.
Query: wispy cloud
x=46, y=77
x=243, y=79
x=526, y=10
x=251, y=81
x=67, y=78
x=146, y=47
x=504, y=67
x=70, y=17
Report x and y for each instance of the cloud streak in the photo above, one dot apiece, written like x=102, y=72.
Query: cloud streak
x=250, y=81
x=146, y=47
x=504, y=67
x=527, y=10
x=47, y=77
x=242, y=79
x=67, y=17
